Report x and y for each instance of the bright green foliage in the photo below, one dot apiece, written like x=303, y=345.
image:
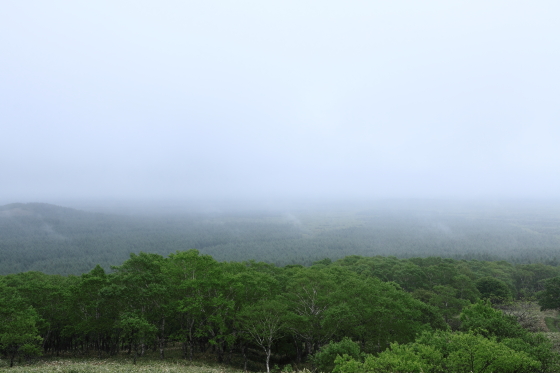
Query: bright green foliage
x=325, y=357
x=413, y=358
x=476, y=354
x=47, y=295
x=442, y=283
x=136, y=331
x=445, y=298
x=371, y=310
x=393, y=308
x=401, y=358
x=444, y=352
x=482, y=319
x=18, y=325
x=203, y=298
x=91, y=312
x=144, y=290
x=192, y=280
x=254, y=289
x=309, y=296
x=539, y=347
x=264, y=322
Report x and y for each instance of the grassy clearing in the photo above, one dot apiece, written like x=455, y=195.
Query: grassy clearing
x=551, y=319
x=174, y=363
x=119, y=365
x=552, y=323
x=204, y=362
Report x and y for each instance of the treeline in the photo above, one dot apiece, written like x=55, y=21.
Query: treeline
x=53, y=239
x=379, y=311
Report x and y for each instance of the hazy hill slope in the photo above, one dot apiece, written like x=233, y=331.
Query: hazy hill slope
x=55, y=239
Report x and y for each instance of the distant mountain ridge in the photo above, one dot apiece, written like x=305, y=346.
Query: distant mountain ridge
x=45, y=237
x=61, y=240
x=37, y=208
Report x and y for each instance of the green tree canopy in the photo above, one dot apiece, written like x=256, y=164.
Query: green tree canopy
x=549, y=298
x=494, y=289
x=18, y=324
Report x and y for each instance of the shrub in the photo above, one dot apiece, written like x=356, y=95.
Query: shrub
x=323, y=360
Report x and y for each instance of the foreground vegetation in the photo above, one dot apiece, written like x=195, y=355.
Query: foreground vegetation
x=378, y=314
x=116, y=365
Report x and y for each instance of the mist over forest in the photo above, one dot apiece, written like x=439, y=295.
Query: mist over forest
x=62, y=240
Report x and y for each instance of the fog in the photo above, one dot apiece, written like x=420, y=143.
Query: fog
x=276, y=101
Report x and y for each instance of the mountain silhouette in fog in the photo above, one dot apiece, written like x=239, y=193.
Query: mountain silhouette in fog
x=61, y=240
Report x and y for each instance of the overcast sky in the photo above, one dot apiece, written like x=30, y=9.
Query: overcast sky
x=279, y=99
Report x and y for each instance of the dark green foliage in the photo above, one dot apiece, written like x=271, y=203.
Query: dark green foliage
x=380, y=312
x=325, y=262
x=549, y=298
x=18, y=325
x=324, y=359
x=494, y=289
x=135, y=330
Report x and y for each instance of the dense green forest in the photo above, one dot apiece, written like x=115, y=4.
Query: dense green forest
x=424, y=288
x=58, y=240
x=356, y=314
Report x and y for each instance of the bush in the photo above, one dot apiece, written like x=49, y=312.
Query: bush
x=494, y=289
x=323, y=360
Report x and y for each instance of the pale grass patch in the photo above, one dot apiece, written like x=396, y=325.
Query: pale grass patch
x=113, y=366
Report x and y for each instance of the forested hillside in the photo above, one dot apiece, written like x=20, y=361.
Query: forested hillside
x=386, y=314
x=60, y=240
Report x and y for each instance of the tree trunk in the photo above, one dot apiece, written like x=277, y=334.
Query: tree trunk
x=244, y=351
x=268, y=360
x=309, y=345
x=220, y=353
x=298, y=351
x=229, y=354
x=161, y=348
x=184, y=348
x=162, y=340
x=46, y=339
